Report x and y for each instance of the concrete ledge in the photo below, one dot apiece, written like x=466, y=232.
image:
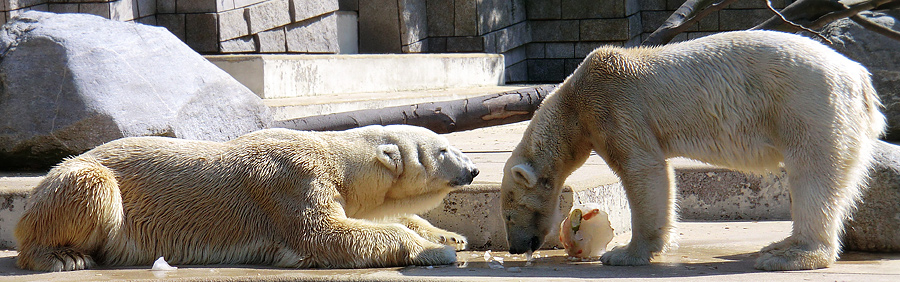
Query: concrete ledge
x=286, y=76
x=14, y=191
x=708, y=193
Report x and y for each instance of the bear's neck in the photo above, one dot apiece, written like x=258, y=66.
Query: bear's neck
x=358, y=189
x=557, y=141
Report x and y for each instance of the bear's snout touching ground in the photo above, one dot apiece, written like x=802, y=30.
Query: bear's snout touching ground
x=529, y=215
x=526, y=243
x=526, y=232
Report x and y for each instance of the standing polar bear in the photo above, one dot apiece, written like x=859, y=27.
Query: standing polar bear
x=750, y=100
x=273, y=197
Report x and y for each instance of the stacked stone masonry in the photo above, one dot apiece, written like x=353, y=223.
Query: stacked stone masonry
x=542, y=40
x=216, y=26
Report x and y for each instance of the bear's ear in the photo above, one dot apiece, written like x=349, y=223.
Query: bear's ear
x=389, y=155
x=524, y=174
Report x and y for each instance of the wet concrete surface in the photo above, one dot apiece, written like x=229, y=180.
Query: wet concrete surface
x=718, y=251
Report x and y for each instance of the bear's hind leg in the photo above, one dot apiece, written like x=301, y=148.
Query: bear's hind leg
x=649, y=186
x=71, y=215
x=823, y=190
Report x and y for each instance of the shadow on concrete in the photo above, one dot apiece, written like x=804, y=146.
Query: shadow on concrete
x=558, y=267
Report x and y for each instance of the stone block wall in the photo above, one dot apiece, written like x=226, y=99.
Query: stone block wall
x=490, y=26
x=564, y=31
x=542, y=40
x=441, y=26
x=125, y=10
x=216, y=26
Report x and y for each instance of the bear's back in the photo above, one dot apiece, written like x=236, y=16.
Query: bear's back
x=165, y=165
x=178, y=193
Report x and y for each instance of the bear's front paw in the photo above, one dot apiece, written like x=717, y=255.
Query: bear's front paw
x=623, y=255
x=790, y=254
x=62, y=259
x=436, y=255
x=446, y=238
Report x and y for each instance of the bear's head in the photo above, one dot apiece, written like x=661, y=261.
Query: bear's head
x=423, y=161
x=529, y=204
x=408, y=170
x=533, y=180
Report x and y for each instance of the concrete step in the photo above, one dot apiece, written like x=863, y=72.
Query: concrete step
x=289, y=76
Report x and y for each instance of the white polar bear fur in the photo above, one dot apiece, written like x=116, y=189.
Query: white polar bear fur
x=748, y=100
x=273, y=197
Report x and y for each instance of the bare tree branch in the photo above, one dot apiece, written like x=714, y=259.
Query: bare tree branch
x=688, y=14
x=769, y=4
x=440, y=117
x=880, y=29
x=815, y=14
x=801, y=12
x=847, y=12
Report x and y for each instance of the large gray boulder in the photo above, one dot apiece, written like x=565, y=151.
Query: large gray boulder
x=875, y=225
x=880, y=54
x=70, y=82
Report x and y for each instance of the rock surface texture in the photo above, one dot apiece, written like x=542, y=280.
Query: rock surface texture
x=875, y=226
x=69, y=82
x=880, y=54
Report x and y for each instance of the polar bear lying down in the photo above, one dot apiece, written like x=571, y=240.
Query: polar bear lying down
x=273, y=197
x=751, y=100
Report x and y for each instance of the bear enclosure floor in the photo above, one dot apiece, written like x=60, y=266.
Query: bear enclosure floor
x=721, y=251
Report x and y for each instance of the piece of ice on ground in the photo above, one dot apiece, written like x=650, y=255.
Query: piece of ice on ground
x=161, y=264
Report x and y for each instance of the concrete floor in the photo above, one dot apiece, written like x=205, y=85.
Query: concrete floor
x=719, y=251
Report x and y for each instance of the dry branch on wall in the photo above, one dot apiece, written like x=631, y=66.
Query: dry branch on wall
x=789, y=22
x=687, y=15
x=802, y=15
x=815, y=14
x=440, y=117
x=880, y=29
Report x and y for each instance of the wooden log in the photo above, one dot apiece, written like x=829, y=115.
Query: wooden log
x=441, y=117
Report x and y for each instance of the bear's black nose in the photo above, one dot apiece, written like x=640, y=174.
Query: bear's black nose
x=475, y=173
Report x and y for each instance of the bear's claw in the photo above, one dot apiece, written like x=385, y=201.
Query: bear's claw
x=63, y=259
x=445, y=237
